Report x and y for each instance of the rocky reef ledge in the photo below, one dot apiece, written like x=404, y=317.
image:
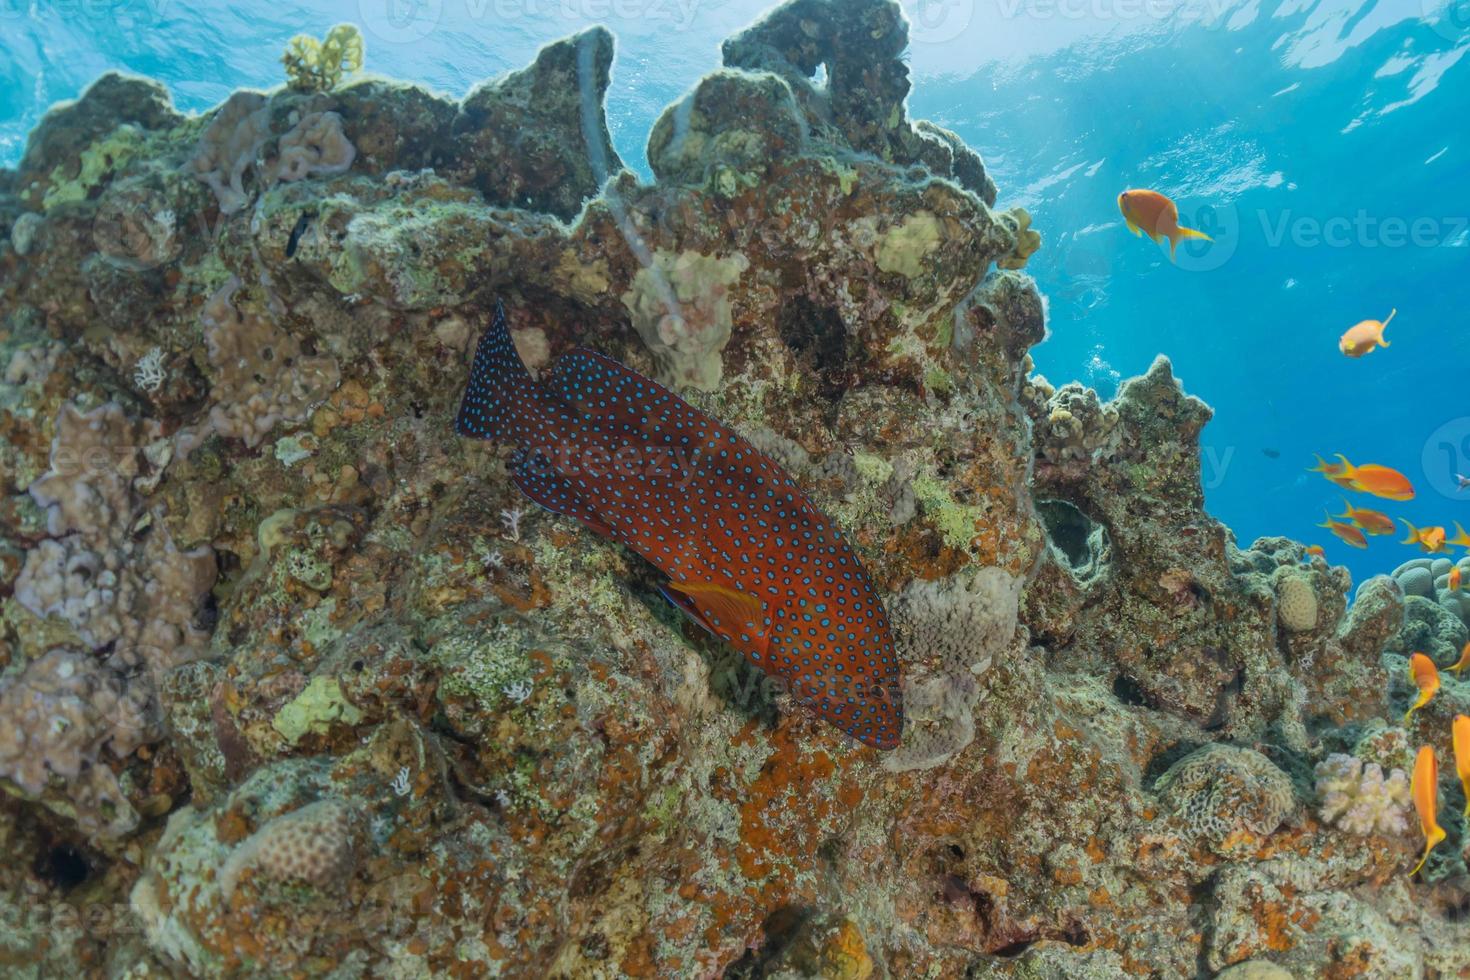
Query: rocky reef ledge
x=296, y=683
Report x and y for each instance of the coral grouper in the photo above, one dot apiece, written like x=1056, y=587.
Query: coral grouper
x=747, y=555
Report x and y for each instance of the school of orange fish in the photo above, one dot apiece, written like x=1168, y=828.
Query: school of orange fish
x=1154, y=214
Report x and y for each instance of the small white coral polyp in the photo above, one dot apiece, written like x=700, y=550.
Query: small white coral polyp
x=1360, y=798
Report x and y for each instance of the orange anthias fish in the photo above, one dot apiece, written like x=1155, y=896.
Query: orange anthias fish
x=1335, y=471
x=1425, y=678
x=1365, y=337
x=747, y=555
x=1426, y=802
x=1349, y=534
x=1460, y=738
x=1153, y=214
x=1371, y=521
x=1463, y=662
x=1454, y=579
x=1461, y=539
x=1316, y=551
x=1380, y=481
x=1429, y=539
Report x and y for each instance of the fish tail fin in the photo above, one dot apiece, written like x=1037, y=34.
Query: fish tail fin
x=499, y=383
x=1384, y=326
x=1182, y=234
x=1413, y=537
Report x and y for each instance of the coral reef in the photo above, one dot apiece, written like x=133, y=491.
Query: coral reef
x=1359, y=798
x=296, y=682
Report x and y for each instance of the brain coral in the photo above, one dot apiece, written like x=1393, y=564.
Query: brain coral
x=1296, y=603
x=316, y=844
x=1357, y=797
x=1220, y=790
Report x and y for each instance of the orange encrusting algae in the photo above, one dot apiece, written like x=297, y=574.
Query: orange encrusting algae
x=1425, y=678
x=1460, y=737
x=1426, y=802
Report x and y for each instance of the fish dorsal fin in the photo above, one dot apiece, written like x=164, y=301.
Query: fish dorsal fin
x=594, y=383
x=724, y=611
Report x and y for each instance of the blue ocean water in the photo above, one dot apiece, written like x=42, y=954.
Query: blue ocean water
x=1322, y=144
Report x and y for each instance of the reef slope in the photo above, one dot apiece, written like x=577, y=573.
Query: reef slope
x=295, y=682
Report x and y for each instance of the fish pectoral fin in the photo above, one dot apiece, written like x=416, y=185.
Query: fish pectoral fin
x=685, y=605
x=1134, y=228
x=720, y=608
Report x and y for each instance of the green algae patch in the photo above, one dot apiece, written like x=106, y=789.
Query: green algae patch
x=955, y=522
x=99, y=162
x=315, y=710
x=874, y=469
x=902, y=248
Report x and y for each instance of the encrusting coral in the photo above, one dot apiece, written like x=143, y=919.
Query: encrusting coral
x=302, y=678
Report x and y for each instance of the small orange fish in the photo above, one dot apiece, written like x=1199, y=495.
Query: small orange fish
x=1371, y=521
x=1429, y=539
x=1380, y=481
x=1426, y=802
x=1365, y=337
x=1463, y=662
x=1316, y=551
x=1151, y=213
x=1425, y=678
x=1460, y=737
x=1454, y=582
x=1461, y=539
x=1334, y=471
x=1349, y=534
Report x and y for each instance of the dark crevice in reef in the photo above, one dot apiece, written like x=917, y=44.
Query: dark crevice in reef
x=1082, y=542
x=63, y=865
x=781, y=929
x=818, y=337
